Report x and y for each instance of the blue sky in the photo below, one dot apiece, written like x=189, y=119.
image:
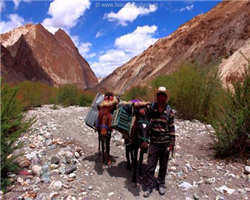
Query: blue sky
x=107, y=33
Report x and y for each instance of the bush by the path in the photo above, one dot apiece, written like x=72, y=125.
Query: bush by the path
x=232, y=136
x=69, y=95
x=138, y=92
x=35, y=94
x=196, y=92
x=12, y=125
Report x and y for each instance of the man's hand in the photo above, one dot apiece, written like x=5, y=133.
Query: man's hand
x=170, y=148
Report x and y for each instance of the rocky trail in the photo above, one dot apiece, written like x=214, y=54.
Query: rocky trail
x=61, y=161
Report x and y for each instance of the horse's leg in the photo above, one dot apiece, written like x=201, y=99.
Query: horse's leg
x=135, y=163
x=108, y=150
x=128, y=152
x=140, y=164
x=131, y=152
x=103, y=154
x=99, y=140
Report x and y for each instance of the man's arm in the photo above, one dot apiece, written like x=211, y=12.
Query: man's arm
x=147, y=110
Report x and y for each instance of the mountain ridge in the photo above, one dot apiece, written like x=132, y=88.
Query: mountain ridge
x=42, y=56
x=208, y=37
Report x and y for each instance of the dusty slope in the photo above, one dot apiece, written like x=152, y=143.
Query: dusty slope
x=63, y=132
x=209, y=37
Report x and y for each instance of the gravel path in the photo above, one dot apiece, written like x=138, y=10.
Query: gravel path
x=62, y=133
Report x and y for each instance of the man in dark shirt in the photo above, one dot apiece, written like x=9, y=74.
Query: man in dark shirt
x=162, y=139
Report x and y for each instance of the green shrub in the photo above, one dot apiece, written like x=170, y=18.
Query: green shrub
x=35, y=94
x=138, y=92
x=196, y=92
x=12, y=125
x=232, y=131
x=85, y=99
x=68, y=95
x=30, y=95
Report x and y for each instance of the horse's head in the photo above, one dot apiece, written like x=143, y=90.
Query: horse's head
x=104, y=122
x=143, y=127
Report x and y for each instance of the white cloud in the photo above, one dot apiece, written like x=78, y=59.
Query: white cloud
x=17, y=2
x=188, y=8
x=14, y=21
x=138, y=40
x=99, y=33
x=125, y=48
x=109, y=61
x=83, y=48
x=65, y=14
x=189, y=2
x=2, y=6
x=129, y=13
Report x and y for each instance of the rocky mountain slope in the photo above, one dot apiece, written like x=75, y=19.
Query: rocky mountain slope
x=211, y=37
x=37, y=55
x=62, y=162
x=9, y=70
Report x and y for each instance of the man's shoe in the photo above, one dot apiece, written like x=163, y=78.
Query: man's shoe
x=147, y=193
x=161, y=190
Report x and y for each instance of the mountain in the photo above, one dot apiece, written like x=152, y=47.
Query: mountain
x=9, y=70
x=37, y=55
x=212, y=37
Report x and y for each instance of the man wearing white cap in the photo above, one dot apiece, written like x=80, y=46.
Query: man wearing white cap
x=162, y=139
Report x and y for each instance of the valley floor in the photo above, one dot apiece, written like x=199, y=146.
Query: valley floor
x=62, y=133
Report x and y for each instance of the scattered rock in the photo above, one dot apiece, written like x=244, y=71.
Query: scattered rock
x=247, y=170
x=110, y=194
x=53, y=166
x=62, y=169
x=70, y=169
x=35, y=161
x=55, y=160
x=186, y=186
x=224, y=189
x=196, y=197
x=69, y=155
x=32, y=146
x=173, y=168
x=90, y=187
x=77, y=155
x=42, y=196
x=24, y=173
x=36, y=169
x=71, y=198
x=189, y=168
x=53, y=195
x=23, y=162
x=29, y=194
x=218, y=197
x=210, y=181
x=72, y=175
x=56, y=185
x=55, y=174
